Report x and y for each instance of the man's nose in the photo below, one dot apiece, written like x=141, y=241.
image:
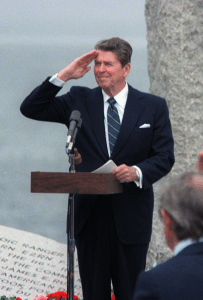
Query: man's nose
x=102, y=68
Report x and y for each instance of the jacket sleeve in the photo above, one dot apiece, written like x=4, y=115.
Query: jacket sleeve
x=43, y=105
x=161, y=158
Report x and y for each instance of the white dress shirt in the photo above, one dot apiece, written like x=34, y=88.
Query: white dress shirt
x=185, y=243
x=121, y=99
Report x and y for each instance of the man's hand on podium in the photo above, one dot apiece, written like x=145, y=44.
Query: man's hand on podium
x=125, y=173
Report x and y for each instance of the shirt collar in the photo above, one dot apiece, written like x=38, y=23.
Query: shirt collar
x=120, y=98
x=184, y=243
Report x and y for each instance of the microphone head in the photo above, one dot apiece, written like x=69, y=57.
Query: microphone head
x=79, y=123
x=75, y=115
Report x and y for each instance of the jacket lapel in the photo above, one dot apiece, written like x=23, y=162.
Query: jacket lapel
x=95, y=106
x=133, y=110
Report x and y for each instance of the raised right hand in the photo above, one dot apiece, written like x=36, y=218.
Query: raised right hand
x=79, y=67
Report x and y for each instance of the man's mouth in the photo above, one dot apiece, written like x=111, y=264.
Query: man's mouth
x=102, y=77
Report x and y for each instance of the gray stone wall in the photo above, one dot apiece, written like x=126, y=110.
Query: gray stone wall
x=175, y=66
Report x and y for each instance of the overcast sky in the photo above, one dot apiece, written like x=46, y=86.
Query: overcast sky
x=72, y=18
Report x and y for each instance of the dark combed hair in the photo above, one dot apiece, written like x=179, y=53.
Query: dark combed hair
x=120, y=47
x=183, y=201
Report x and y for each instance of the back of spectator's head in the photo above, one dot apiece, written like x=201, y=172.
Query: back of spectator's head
x=183, y=201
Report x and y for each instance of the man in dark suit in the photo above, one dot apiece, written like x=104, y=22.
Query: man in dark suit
x=112, y=232
x=180, y=278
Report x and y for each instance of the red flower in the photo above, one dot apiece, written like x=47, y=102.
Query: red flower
x=59, y=296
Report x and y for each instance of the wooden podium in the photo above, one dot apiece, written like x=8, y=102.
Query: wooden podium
x=73, y=183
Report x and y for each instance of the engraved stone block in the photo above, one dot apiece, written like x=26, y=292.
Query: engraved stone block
x=32, y=265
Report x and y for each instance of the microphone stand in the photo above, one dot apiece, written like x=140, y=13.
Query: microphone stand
x=70, y=237
x=74, y=158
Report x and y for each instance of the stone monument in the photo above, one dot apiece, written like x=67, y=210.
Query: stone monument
x=32, y=265
x=175, y=67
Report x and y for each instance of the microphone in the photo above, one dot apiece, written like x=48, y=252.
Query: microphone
x=74, y=118
x=78, y=126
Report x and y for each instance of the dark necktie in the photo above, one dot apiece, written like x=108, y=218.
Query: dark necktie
x=113, y=123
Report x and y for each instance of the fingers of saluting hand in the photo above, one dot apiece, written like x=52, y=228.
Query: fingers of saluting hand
x=79, y=67
x=81, y=64
x=124, y=173
x=88, y=57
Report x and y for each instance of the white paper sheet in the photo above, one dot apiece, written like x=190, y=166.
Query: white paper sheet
x=106, y=168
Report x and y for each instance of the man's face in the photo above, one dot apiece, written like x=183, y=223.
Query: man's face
x=109, y=73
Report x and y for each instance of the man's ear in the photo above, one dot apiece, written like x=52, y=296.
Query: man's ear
x=200, y=163
x=166, y=217
x=170, y=236
x=127, y=69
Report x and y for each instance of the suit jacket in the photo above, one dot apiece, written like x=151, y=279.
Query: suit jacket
x=151, y=149
x=180, y=278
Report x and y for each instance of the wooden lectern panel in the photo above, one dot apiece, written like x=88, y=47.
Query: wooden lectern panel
x=74, y=183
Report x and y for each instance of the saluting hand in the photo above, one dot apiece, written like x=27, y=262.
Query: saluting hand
x=79, y=67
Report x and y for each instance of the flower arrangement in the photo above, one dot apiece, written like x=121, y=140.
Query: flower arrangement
x=53, y=296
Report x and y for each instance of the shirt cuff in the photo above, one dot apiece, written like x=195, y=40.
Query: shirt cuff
x=139, y=181
x=56, y=81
